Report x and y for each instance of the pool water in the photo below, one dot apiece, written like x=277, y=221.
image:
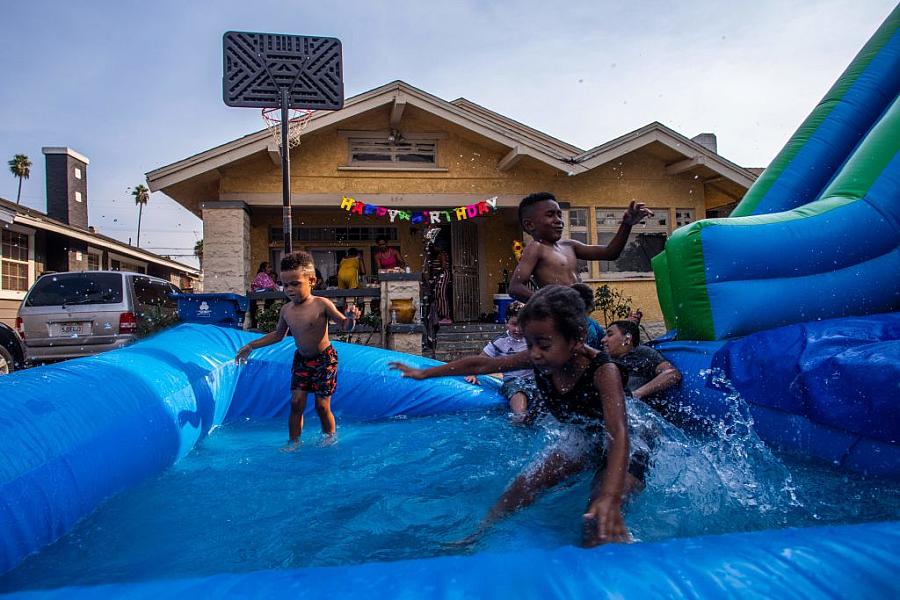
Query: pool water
x=404, y=488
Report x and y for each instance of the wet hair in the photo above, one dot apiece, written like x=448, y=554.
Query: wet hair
x=352, y=252
x=298, y=261
x=629, y=328
x=587, y=295
x=526, y=204
x=262, y=267
x=562, y=305
x=513, y=310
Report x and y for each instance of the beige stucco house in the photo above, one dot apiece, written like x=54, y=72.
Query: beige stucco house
x=399, y=148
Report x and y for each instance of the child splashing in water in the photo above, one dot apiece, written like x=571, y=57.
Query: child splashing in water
x=582, y=389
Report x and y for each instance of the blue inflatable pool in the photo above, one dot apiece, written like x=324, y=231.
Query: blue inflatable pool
x=130, y=414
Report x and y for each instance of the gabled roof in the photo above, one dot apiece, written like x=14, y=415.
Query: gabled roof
x=396, y=92
x=524, y=131
x=671, y=143
x=521, y=140
x=28, y=217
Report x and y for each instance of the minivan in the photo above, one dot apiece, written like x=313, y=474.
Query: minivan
x=66, y=315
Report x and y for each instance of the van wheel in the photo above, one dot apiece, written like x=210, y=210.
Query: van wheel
x=7, y=365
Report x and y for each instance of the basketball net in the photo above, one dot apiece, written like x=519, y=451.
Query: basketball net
x=298, y=119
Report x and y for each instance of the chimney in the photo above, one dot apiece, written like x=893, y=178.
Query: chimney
x=707, y=140
x=66, y=185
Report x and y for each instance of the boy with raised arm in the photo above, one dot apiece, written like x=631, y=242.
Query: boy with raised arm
x=315, y=361
x=548, y=259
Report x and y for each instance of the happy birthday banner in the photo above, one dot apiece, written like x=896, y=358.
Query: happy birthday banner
x=461, y=213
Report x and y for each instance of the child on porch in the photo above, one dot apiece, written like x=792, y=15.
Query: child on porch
x=548, y=259
x=315, y=361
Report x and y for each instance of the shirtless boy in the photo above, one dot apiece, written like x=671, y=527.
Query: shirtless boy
x=315, y=361
x=547, y=259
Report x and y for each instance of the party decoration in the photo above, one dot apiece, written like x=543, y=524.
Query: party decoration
x=424, y=217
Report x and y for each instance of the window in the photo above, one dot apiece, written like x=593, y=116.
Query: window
x=646, y=240
x=151, y=292
x=391, y=151
x=335, y=234
x=93, y=260
x=577, y=222
x=77, y=173
x=683, y=216
x=14, y=250
x=76, y=288
x=77, y=196
x=118, y=263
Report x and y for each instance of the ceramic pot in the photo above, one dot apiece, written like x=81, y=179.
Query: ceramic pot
x=404, y=308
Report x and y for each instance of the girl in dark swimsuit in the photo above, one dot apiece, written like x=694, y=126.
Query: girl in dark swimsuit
x=580, y=386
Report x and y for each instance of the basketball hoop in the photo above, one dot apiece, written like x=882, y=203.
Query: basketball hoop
x=298, y=119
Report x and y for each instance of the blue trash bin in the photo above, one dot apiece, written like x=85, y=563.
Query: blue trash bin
x=227, y=310
x=502, y=302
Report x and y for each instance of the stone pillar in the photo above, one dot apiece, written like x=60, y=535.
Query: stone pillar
x=226, y=247
x=402, y=337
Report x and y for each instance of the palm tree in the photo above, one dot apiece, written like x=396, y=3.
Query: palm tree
x=198, y=251
x=141, y=197
x=20, y=167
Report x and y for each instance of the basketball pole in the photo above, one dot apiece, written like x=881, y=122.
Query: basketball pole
x=287, y=224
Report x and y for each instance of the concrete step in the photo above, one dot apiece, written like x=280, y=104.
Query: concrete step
x=495, y=328
x=465, y=336
x=460, y=346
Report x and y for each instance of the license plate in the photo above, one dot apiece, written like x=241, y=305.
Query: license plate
x=70, y=329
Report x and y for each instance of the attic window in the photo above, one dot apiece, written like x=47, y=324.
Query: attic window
x=393, y=150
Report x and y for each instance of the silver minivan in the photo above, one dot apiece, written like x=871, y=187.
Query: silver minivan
x=65, y=315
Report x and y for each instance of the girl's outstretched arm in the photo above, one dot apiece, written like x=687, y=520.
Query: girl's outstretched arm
x=470, y=365
x=605, y=511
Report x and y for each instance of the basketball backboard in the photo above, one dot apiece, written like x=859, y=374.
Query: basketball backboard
x=258, y=67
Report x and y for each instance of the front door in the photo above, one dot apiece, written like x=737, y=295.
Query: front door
x=464, y=264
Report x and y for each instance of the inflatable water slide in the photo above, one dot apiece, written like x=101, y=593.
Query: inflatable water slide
x=793, y=299
x=818, y=235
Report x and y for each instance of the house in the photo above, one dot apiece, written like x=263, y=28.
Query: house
x=396, y=160
x=61, y=240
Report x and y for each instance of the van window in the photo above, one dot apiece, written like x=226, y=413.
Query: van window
x=76, y=288
x=153, y=292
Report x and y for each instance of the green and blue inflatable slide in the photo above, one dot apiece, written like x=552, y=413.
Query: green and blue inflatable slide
x=818, y=235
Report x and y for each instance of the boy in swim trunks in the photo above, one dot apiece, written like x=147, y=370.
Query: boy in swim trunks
x=315, y=361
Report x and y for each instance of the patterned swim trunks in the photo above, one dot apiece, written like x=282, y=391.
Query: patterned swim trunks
x=316, y=374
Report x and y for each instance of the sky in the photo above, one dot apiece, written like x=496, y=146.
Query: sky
x=137, y=85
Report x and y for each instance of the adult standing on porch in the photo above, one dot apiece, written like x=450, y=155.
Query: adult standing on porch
x=439, y=278
x=350, y=270
x=387, y=258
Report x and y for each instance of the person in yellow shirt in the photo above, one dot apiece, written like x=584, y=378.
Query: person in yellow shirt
x=350, y=270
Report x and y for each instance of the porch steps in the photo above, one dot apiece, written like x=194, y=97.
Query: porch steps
x=465, y=339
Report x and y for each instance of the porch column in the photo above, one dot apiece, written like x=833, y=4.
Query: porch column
x=226, y=247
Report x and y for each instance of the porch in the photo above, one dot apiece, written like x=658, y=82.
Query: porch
x=479, y=249
x=377, y=326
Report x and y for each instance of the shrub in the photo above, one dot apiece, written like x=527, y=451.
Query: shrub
x=612, y=303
